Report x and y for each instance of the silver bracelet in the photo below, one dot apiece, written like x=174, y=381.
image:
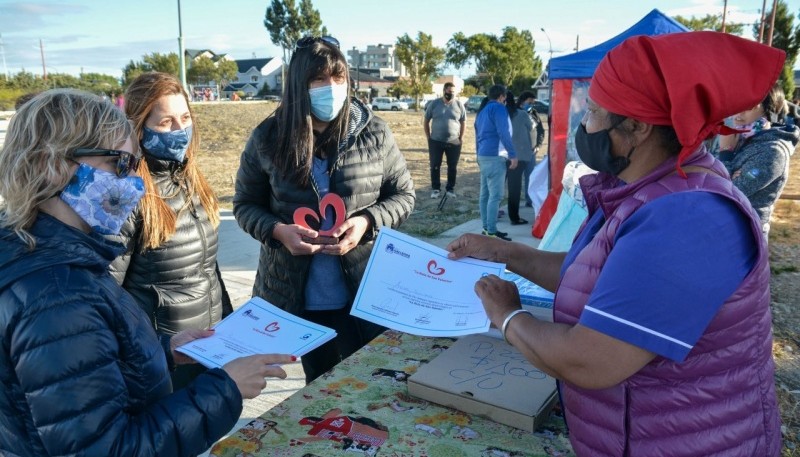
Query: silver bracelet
x=510, y=316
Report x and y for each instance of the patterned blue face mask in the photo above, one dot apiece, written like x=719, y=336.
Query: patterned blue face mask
x=102, y=199
x=167, y=145
x=327, y=101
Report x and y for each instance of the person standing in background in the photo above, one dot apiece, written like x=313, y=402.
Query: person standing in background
x=494, y=148
x=445, y=119
x=758, y=159
x=521, y=127
x=170, y=262
x=526, y=101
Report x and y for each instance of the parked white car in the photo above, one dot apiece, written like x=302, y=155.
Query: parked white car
x=388, y=103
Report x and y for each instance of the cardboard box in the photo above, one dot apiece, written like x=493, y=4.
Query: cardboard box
x=484, y=376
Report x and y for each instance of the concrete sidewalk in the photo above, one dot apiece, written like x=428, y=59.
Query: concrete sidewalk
x=238, y=260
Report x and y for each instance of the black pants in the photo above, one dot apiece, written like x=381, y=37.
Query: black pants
x=352, y=334
x=514, y=177
x=436, y=149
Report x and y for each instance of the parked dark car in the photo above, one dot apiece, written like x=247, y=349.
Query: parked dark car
x=541, y=107
x=473, y=103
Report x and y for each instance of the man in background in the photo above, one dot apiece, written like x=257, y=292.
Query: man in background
x=494, y=147
x=444, y=127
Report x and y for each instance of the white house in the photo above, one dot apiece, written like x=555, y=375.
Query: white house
x=253, y=74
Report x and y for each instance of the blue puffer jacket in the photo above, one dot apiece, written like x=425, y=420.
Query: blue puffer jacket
x=82, y=371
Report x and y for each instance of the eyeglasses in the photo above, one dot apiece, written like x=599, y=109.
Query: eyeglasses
x=307, y=41
x=126, y=161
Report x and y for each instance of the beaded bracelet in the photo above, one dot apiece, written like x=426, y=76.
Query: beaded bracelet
x=510, y=316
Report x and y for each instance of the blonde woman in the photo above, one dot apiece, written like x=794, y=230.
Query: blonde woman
x=170, y=262
x=82, y=371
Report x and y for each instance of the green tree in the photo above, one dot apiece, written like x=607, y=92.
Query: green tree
x=711, y=22
x=785, y=36
x=202, y=71
x=286, y=24
x=227, y=70
x=468, y=90
x=501, y=59
x=164, y=63
x=131, y=71
x=99, y=83
x=422, y=60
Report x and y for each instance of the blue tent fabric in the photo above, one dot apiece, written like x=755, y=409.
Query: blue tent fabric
x=583, y=63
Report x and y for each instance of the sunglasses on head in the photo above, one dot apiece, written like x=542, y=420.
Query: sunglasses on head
x=126, y=161
x=307, y=41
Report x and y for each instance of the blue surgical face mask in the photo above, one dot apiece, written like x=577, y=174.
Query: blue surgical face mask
x=327, y=101
x=170, y=145
x=526, y=106
x=102, y=199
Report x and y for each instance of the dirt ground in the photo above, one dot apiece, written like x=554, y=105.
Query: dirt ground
x=225, y=127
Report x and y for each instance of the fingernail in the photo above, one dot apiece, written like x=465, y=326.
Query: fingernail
x=294, y=358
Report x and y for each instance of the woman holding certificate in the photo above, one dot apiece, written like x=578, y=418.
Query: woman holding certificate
x=662, y=336
x=83, y=372
x=316, y=181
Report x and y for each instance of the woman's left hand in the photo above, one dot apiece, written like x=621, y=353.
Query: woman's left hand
x=499, y=297
x=181, y=338
x=349, y=234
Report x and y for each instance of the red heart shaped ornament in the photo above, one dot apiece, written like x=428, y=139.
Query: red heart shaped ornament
x=301, y=215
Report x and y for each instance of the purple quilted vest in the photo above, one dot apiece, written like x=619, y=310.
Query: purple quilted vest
x=721, y=400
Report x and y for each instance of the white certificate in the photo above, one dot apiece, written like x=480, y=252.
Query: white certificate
x=257, y=327
x=412, y=286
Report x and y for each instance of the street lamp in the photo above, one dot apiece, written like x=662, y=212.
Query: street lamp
x=355, y=53
x=182, y=52
x=550, y=43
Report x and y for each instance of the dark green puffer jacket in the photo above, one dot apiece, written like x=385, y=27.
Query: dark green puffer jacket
x=369, y=173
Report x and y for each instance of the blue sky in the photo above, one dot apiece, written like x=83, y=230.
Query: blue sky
x=104, y=35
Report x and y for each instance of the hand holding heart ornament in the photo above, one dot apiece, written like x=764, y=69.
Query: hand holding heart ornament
x=301, y=215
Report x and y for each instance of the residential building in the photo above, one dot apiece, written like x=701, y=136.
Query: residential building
x=252, y=74
x=381, y=57
x=368, y=85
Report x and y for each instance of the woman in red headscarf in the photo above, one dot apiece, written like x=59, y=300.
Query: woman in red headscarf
x=661, y=338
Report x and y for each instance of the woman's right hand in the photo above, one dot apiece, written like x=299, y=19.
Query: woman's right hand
x=249, y=372
x=291, y=236
x=478, y=247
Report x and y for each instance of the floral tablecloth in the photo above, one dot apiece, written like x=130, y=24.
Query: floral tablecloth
x=362, y=407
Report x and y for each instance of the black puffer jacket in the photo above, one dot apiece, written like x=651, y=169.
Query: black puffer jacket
x=177, y=284
x=82, y=371
x=369, y=173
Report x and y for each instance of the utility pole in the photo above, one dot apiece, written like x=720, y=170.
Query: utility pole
x=181, y=52
x=577, y=43
x=44, y=67
x=772, y=22
x=3, y=53
x=724, y=14
x=761, y=24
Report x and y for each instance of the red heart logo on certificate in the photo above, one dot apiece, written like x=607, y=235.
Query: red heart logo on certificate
x=434, y=268
x=302, y=214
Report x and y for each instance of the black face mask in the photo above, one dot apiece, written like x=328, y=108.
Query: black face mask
x=448, y=97
x=594, y=149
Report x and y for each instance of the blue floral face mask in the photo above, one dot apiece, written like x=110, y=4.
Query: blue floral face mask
x=102, y=199
x=167, y=145
x=327, y=101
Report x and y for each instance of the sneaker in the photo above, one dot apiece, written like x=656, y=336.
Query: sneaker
x=500, y=213
x=497, y=234
x=451, y=194
x=519, y=221
x=435, y=193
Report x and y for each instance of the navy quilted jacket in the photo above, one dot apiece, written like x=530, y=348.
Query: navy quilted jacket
x=82, y=371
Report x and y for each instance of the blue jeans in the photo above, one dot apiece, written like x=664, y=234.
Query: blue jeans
x=493, y=177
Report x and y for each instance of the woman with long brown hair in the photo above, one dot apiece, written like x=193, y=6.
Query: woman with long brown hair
x=321, y=156
x=170, y=264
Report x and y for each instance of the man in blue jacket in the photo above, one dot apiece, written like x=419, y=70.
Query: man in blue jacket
x=494, y=147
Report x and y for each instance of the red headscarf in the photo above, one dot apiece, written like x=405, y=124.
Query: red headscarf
x=691, y=81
